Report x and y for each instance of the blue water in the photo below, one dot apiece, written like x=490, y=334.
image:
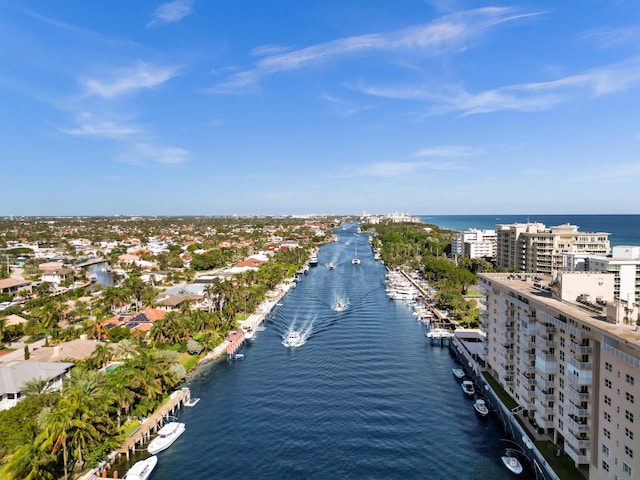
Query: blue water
x=365, y=397
x=622, y=229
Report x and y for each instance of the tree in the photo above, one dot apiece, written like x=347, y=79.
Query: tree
x=31, y=462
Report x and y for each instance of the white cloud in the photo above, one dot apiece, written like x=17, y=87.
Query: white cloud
x=145, y=154
x=447, y=151
x=87, y=125
x=526, y=97
x=449, y=33
x=403, y=169
x=171, y=12
x=613, y=37
x=265, y=50
x=141, y=76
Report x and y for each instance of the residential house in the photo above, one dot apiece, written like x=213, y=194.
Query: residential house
x=14, y=376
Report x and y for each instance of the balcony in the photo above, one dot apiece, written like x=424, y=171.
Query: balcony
x=578, y=365
x=546, y=329
x=577, y=381
x=526, y=367
x=583, y=427
x=576, y=442
x=545, y=366
x=576, y=410
x=546, y=397
x=525, y=393
x=576, y=395
x=576, y=456
x=542, y=422
x=545, y=343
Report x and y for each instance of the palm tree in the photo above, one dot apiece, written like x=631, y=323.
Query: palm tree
x=126, y=349
x=113, y=297
x=31, y=462
x=102, y=354
x=135, y=287
x=35, y=387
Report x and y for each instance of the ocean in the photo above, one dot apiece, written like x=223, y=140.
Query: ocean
x=622, y=229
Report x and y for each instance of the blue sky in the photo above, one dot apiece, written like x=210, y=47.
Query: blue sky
x=322, y=106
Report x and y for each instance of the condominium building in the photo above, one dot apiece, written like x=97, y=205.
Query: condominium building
x=532, y=247
x=573, y=367
x=624, y=263
x=475, y=244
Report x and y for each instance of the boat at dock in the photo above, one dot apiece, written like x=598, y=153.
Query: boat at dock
x=480, y=406
x=439, y=333
x=166, y=436
x=512, y=463
x=142, y=469
x=458, y=373
x=468, y=388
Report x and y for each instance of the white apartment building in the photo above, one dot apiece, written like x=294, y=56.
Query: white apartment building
x=624, y=263
x=532, y=247
x=572, y=367
x=475, y=243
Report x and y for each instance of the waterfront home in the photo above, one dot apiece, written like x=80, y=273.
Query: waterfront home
x=13, y=285
x=14, y=375
x=56, y=276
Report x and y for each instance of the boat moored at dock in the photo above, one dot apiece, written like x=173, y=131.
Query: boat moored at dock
x=166, y=436
x=142, y=469
x=468, y=388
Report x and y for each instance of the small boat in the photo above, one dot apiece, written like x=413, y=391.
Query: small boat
x=313, y=260
x=238, y=356
x=142, y=469
x=481, y=407
x=512, y=463
x=249, y=334
x=467, y=387
x=166, y=436
x=294, y=339
x=355, y=261
x=331, y=266
x=458, y=373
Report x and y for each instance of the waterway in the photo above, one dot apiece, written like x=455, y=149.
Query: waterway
x=365, y=397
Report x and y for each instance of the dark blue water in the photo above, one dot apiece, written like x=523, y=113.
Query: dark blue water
x=622, y=229
x=366, y=397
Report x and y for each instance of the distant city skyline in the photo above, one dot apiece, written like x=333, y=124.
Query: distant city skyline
x=429, y=107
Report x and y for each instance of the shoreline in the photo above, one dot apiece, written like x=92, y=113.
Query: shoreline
x=150, y=424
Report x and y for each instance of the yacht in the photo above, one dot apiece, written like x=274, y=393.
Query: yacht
x=166, y=436
x=142, y=469
x=313, y=260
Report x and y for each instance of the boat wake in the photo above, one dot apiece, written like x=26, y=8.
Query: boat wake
x=340, y=303
x=296, y=337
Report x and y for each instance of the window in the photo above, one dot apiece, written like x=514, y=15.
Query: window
x=607, y=433
x=607, y=417
x=628, y=415
x=628, y=433
x=605, y=450
x=607, y=399
x=628, y=451
x=607, y=366
x=605, y=466
x=630, y=379
x=626, y=469
x=607, y=383
x=629, y=397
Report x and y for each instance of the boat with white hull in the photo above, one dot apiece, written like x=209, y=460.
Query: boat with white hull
x=512, y=463
x=142, y=469
x=458, y=373
x=294, y=339
x=480, y=406
x=166, y=436
x=468, y=388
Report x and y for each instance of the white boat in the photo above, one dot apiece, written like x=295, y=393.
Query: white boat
x=331, y=266
x=439, y=333
x=356, y=260
x=249, y=334
x=467, y=387
x=166, y=436
x=458, y=373
x=294, y=339
x=512, y=463
x=238, y=356
x=142, y=469
x=481, y=407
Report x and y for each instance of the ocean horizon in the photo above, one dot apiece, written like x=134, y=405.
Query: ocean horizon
x=623, y=229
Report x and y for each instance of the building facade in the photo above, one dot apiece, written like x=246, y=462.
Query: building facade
x=475, y=244
x=573, y=368
x=532, y=247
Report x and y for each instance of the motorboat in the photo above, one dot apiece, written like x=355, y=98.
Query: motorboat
x=480, y=407
x=512, y=463
x=313, y=260
x=467, y=387
x=331, y=266
x=238, y=356
x=166, y=436
x=294, y=339
x=356, y=260
x=249, y=334
x=458, y=373
x=142, y=469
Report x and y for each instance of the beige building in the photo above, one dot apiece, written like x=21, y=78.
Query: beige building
x=532, y=247
x=572, y=365
x=475, y=244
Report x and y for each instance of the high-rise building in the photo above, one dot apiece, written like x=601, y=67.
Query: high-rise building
x=475, y=244
x=568, y=353
x=531, y=247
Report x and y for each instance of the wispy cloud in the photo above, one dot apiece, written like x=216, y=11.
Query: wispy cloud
x=527, y=97
x=616, y=173
x=447, y=151
x=449, y=33
x=265, y=50
x=144, y=154
x=88, y=125
x=123, y=81
x=403, y=169
x=343, y=107
x=613, y=37
x=171, y=12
